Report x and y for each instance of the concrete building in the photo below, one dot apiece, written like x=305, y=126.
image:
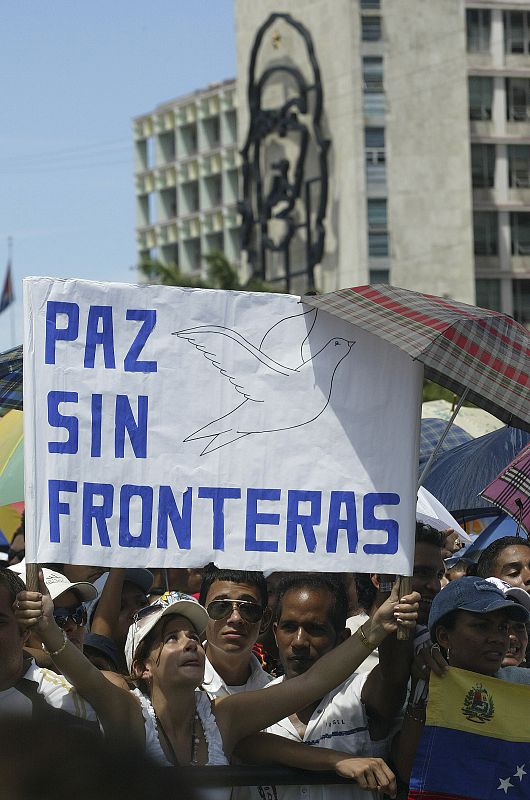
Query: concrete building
x=426, y=109
x=187, y=178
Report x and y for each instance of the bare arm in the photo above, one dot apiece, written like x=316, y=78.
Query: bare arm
x=117, y=709
x=248, y=712
x=105, y=616
x=267, y=748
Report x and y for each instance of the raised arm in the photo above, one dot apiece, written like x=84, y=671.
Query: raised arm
x=107, y=611
x=248, y=712
x=116, y=708
x=266, y=748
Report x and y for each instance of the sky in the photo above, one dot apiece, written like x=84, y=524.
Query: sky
x=72, y=77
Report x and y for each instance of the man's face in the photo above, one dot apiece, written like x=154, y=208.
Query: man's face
x=304, y=632
x=11, y=643
x=233, y=634
x=513, y=566
x=429, y=569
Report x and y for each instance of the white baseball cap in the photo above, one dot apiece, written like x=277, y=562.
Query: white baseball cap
x=514, y=592
x=145, y=620
x=57, y=583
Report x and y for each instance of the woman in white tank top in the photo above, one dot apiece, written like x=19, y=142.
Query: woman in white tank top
x=165, y=714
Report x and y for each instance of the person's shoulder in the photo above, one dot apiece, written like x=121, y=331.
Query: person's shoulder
x=519, y=675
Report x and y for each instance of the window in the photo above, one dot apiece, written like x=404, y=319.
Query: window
x=370, y=4
x=371, y=30
x=480, y=97
x=373, y=75
x=379, y=276
x=482, y=165
x=478, y=26
x=485, y=233
x=520, y=230
x=488, y=293
x=377, y=228
x=521, y=301
x=518, y=99
x=516, y=32
x=519, y=165
x=374, y=149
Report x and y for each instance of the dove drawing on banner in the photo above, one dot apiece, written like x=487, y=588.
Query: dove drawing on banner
x=277, y=395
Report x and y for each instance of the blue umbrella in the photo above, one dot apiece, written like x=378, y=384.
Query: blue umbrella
x=458, y=476
x=431, y=431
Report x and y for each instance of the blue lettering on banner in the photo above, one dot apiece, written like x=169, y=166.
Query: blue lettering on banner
x=337, y=523
x=55, y=334
x=95, y=440
x=56, y=508
x=145, y=493
x=131, y=363
x=306, y=522
x=58, y=420
x=371, y=523
x=125, y=422
x=103, y=337
x=97, y=512
x=218, y=497
x=255, y=518
x=180, y=522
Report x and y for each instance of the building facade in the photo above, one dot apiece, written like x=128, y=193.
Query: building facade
x=186, y=176
x=426, y=116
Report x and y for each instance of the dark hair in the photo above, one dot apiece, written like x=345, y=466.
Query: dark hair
x=426, y=534
x=366, y=591
x=213, y=574
x=338, y=611
x=448, y=621
x=12, y=582
x=488, y=557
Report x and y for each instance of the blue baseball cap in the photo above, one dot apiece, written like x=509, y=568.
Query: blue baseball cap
x=476, y=595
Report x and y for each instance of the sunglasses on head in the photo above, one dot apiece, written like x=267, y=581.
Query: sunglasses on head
x=77, y=615
x=221, y=609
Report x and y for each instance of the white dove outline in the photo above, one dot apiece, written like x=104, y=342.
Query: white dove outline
x=258, y=381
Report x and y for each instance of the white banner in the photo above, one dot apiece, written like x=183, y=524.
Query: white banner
x=171, y=427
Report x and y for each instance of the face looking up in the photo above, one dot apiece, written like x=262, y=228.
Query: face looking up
x=174, y=655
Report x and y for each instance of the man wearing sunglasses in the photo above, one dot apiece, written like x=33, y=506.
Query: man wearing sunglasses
x=236, y=602
x=69, y=607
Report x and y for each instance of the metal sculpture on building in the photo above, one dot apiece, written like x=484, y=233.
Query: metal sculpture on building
x=285, y=171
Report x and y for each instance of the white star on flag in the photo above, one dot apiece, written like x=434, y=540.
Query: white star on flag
x=505, y=785
x=520, y=771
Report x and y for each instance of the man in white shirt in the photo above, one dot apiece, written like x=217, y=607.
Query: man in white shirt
x=357, y=716
x=236, y=602
x=25, y=689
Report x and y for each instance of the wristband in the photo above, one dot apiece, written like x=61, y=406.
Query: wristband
x=53, y=653
x=364, y=639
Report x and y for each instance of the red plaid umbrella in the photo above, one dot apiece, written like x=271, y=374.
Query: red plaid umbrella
x=462, y=347
x=511, y=489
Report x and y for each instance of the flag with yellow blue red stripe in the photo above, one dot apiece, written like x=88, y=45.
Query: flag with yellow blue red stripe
x=476, y=741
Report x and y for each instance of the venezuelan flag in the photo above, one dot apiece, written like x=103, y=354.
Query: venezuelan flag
x=476, y=741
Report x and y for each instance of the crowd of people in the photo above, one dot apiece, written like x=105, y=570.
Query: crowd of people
x=216, y=666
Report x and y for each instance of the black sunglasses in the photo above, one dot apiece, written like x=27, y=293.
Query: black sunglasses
x=221, y=609
x=77, y=615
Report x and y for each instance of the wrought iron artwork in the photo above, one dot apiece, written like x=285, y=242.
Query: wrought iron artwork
x=279, y=197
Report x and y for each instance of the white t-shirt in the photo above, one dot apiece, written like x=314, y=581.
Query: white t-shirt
x=339, y=722
x=41, y=687
x=215, y=686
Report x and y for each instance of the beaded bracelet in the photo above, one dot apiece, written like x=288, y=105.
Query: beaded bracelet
x=364, y=639
x=53, y=653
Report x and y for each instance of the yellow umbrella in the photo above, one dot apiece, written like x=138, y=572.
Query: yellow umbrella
x=11, y=458
x=9, y=522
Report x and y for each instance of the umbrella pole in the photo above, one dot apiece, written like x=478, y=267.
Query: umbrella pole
x=427, y=467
